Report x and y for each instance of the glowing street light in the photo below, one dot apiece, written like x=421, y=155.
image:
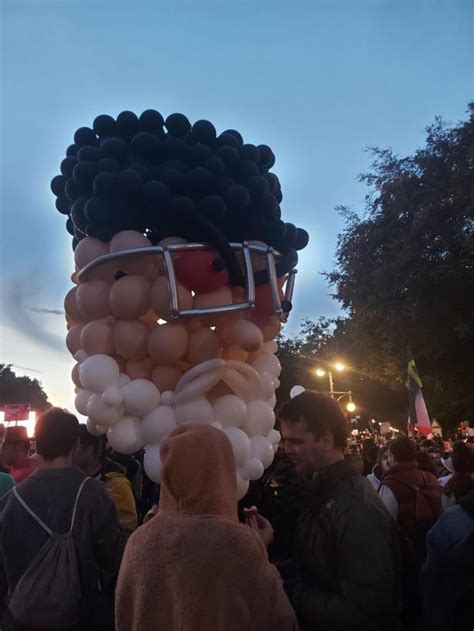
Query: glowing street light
x=351, y=406
x=339, y=366
x=320, y=372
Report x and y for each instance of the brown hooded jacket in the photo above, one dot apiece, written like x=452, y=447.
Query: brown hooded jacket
x=193, y=567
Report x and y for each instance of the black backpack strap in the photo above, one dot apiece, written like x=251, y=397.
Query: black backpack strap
x=73, y=519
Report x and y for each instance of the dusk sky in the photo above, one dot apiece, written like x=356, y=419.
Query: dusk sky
x=317, y=81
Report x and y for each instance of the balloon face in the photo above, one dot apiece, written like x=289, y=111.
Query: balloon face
x=140, y=396
x=130, y=297
x=201, y=271
x=167, y=343
x=253, y=469
x=222, y=296
x=160, y=298
x=130, y=339
x=97, y=338
x=93, y=299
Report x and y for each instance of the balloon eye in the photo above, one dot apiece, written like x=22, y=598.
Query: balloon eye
x=119, y=275
x=218, y=264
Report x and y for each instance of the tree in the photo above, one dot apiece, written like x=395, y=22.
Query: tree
x=405, y=269
x=15, y=389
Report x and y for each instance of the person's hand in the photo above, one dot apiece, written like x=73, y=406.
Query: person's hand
x=257, y=522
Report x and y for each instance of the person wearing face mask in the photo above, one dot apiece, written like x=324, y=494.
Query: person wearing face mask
x=344, y=572
x=382, y=466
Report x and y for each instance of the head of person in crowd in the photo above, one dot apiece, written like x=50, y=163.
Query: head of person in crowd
x=198, y=473
x=57, y=436
x=426, y=445
x=16, y=446
x=462, y=482
x=401, y=451
x=424, y=462
x=313, y=428
x=435, y=457
x=383, y=458
x=87, y=454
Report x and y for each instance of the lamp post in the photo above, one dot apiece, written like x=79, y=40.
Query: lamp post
x=339, y=367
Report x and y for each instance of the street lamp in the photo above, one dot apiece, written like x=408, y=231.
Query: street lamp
x=339, y=366
x=320, y=372
x=351, y=406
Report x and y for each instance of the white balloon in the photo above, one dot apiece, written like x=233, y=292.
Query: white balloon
x=158, y=423
x=267, y=362
x=101, y=413
x=230, y=411
x=272, y=401
x=295, y=391
x=98, y=372
x=274, y=437
x=261, y=418
x=216, y=424
x=267, y=387
x=197, y=410
x=123, y=379
x=81, y=356
x=112, y=396
x=253, y=469
x=262, y=449
x=125, y=436
x=199, y=386
x=140, y=396
x=270, y=347
x=240, y=444
x=81, y=401
x=93, y=428
x=237, y=384
x=152, y=463
x=242, y=486
x=167, y=398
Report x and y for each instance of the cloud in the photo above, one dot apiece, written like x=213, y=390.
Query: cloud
x=18, y=292
x=27, y=369
x=42, y=310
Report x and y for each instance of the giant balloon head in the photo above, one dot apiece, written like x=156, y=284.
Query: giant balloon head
x=184, y=274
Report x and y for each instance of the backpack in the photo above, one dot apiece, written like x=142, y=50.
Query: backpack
x=48, y=594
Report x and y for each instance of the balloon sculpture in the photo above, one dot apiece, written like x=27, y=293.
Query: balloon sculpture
x=184, y=273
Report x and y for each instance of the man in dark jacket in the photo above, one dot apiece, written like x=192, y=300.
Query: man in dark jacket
x=447, y=579
x=50, y=493
x=343, y=574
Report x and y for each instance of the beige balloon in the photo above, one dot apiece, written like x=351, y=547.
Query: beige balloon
x=131, y=240
x=71, y=307
x=75, y=376
x=140, y=369
x=150, y=318
x=96, y=337
x=122, y=363
x=93, y=299
x=161, y=298
x=73, y=338
x=88, y=250
x=166, y=377
x=167, y=343
x=130, y=339
x=129, y=297
x=234, y=353
x=270, y=327
x=203, y=345
x=221, y=296
x=247, y=335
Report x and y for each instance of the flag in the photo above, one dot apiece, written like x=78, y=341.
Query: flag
x=418, y=413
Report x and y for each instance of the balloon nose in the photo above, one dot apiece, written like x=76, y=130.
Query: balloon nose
x=218, y=264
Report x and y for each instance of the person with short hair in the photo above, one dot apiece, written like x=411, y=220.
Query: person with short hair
x=461, y=481
x=87, y=458
x=15, y=453
x=50, y=494
x=382, y=466
x=343, y=573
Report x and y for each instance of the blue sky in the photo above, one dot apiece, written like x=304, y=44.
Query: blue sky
x=317, y=81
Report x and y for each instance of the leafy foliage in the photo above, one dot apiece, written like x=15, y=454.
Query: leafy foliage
x=15, y=389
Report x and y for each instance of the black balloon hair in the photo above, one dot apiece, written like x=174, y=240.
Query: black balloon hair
x=154, y=174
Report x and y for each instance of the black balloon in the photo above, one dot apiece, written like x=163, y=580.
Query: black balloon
x=70, y=226
x=236, y=135
x=72, y=150
x=108, y=164
x=63, y=204
x=258, y=187
x=267, y=159
x=247, y=170
x=151, y=121
x=105, y=184
x=177, y=124
x=67, y=165
x=249, y=152
x=104, y=126
x=237, y=197
x=229, y=155
x=57, y=184
x=115, y=148
x=302, y=239
x=85, y=136
x=85, y=172
x=127, y=124
x=88, y=153
x=71, y=189
x=215, y=165
x=204, y=131
x=213, y=206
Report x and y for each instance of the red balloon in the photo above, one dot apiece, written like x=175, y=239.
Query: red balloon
x=200, y=271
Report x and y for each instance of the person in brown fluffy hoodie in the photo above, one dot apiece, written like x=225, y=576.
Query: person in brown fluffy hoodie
x=194, y=567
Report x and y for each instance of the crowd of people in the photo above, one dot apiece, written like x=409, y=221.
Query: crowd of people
x=374, y=538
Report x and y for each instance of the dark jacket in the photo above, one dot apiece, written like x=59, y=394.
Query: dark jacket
x=50, y=493
x=447, y=579
x=345, y=556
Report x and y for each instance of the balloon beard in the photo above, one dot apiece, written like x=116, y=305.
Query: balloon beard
x=161, y=338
